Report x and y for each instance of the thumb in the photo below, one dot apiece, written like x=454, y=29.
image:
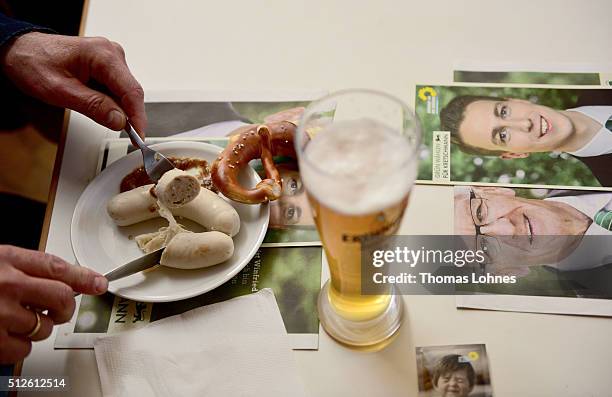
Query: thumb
x=94, y=104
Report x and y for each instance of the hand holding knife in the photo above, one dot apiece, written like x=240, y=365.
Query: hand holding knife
x=135, y=266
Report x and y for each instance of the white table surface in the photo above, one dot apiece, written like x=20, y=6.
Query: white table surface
x=281, y=45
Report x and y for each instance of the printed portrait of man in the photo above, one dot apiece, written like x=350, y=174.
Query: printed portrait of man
x=518, y=232
x=512, y=128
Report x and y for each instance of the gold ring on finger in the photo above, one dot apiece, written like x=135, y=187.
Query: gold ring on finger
x=37, y=326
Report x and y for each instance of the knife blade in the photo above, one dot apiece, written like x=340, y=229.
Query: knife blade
x=135, y=266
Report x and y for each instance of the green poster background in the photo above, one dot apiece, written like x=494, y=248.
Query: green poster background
x=539, y=168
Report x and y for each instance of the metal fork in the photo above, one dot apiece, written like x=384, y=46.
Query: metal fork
x=155, y=164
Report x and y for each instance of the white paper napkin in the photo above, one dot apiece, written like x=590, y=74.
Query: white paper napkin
x=233, y=348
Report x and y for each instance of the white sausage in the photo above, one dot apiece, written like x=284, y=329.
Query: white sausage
x=133, y=206
x=212, y=212
x=197, y=250
x=207, y=209
x=176, y=188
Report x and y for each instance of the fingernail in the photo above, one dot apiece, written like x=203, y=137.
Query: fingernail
x=101, y=283
x=116, y=119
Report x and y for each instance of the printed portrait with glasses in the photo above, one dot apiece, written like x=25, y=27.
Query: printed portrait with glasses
x=514, y=232
x=482, y=242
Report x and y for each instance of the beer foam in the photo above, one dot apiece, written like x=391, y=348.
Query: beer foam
x=358, y=167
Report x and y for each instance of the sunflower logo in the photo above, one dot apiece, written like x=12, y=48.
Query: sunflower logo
x=426, y=92
x=473, y=356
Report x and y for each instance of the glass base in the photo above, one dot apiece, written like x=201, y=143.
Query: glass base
x=371, y=335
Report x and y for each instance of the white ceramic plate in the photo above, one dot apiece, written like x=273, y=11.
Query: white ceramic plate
x=101, y=245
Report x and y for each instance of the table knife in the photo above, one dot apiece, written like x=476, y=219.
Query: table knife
x=135, y=266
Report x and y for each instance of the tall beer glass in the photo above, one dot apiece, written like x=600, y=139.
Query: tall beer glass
x=357, y=152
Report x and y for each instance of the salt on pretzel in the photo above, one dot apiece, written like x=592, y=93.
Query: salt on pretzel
x=264, y=141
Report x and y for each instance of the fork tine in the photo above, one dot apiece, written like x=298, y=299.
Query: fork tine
x=155, y=164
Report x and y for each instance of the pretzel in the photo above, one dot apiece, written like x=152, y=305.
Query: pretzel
x=274, y=138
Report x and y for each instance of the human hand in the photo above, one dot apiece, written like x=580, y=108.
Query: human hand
x=58, y=69
x=34, y=281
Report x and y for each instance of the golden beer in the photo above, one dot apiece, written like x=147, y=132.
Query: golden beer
x=357, y=156
x=341, y=236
